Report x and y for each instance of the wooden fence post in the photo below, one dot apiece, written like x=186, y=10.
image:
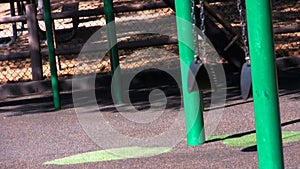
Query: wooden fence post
x=34, y=45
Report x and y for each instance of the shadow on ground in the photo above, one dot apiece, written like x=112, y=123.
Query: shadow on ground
x=143, y=84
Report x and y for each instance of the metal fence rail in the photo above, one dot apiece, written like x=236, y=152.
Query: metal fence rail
x=90, y=19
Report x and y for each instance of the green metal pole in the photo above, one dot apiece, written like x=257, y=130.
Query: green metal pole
x=265, y=88
x=50, y=43
x=193, y=107
x=113, y=52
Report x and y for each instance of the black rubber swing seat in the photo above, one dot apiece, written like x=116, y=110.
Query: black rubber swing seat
x=7, y=41
x=246, y=81
x=198, y=78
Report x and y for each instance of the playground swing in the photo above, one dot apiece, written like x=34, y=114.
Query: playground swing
x=198, y=75
x=245, y=80
x=63, y=35
x=16, y=28
x=198, y=72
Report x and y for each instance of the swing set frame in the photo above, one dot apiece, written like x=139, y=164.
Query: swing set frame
x=264, y=79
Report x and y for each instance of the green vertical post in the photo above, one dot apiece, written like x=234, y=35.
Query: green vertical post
x=193, y=102
x=113, y=49
x=50, y=44
x=265, y=87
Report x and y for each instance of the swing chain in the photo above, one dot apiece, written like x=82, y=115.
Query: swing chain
x=243, y=23
x=195, y=34
x=202, y=29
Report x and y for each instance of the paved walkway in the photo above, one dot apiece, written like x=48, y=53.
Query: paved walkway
x=32, y=133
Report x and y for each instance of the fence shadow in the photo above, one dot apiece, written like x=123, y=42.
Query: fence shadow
x=140, y=89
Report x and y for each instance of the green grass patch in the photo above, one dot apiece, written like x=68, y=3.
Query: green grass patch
x=216, y=138
x=250, y=139
x=243, y=141
x=140, y=152
x=110, y=154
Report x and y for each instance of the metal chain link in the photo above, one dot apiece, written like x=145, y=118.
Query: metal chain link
x=243, y=23
x=195, y=34
x=202, y=29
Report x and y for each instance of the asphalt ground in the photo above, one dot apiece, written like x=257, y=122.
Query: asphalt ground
x=32, y=132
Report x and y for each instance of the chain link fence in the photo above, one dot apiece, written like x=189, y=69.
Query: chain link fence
x=73, y=31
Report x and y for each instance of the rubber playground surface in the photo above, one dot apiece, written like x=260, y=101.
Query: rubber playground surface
x=33, y=135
